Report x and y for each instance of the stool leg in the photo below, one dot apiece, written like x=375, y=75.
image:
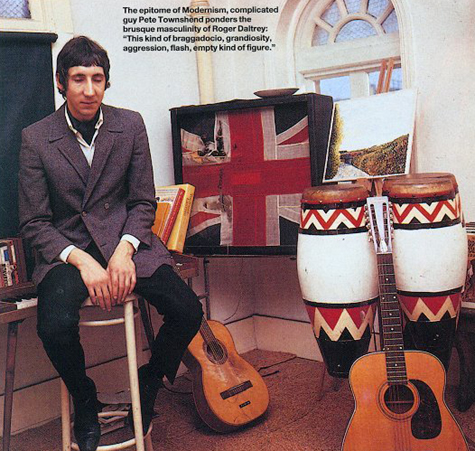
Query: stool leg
x=65, y=418
x=133, y=374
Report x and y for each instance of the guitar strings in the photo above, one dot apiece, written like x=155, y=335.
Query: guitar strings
x=212, y=343
x=387, y=278
x=402, y=435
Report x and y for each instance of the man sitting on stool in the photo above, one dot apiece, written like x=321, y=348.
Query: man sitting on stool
x=86, y=196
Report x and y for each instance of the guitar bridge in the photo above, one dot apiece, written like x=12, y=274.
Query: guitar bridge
x=233, y=391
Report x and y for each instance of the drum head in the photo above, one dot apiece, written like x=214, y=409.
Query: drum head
x=424, y=175
x=420, y=185
x=332, y=194
x=413, y=186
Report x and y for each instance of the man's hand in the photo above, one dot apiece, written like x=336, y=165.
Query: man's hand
x=121, y=269
x=95, y=277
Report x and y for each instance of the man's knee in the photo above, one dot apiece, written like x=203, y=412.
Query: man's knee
x=60, y=295
x=57, y=327
x=189, y=315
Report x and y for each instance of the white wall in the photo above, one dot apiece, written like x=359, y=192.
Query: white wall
x=444, y=61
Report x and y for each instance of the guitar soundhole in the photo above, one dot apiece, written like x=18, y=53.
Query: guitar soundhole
x=399, y=399
x=215, y=352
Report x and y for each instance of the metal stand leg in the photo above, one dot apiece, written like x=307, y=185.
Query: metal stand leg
x=9, y=382
x=206, y=293
x=146, y=322
x=321, y=384
x=148, y=443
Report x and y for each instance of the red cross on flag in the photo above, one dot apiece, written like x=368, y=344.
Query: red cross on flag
x=250, y=173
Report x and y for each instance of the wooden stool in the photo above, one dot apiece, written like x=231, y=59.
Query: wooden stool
x=139, y=441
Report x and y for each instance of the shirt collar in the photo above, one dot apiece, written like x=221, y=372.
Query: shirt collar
x=99, y=122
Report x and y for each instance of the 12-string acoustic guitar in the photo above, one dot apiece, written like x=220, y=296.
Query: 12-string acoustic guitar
x=399, y=395
x=228, y=392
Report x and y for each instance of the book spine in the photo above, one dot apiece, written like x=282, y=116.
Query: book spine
x=13, y=261
x=6, y=265
x=176, y=241
x=21, y=261
x=173, y=215
x=160, y=217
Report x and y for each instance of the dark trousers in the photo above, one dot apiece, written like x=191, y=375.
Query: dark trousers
x=60, y=295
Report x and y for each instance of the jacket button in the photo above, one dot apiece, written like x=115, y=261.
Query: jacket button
x=106, y=206
x=84, y=213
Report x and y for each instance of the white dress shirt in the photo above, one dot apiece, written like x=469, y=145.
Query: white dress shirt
x=88, y=151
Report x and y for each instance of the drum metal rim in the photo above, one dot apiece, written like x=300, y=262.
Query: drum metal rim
x=428, y=294
x=341, y=305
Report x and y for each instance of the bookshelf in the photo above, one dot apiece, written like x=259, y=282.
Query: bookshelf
x=17, y=290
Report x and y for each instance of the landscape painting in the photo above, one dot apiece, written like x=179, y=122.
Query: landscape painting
x=371, y=136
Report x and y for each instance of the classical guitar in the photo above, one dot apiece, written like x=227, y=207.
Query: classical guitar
x=228, y=392
x=399, y=395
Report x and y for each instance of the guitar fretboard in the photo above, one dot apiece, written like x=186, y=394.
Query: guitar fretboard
x=391, y=324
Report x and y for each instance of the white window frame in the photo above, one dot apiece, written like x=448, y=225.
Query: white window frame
x=281, y=65
x=355, y=58
x=41, y=21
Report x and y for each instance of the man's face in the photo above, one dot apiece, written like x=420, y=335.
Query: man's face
x=85, y=91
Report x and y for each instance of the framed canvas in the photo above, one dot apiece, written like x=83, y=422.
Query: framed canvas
x=250, y=161
x=371, y=136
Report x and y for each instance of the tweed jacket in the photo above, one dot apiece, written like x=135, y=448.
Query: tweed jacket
x=63, y=201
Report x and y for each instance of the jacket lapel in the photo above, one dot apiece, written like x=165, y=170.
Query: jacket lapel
x=103, y=146
x=68, y=145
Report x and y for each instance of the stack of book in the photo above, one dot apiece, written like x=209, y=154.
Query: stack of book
x=173, y=214
x=12, y=262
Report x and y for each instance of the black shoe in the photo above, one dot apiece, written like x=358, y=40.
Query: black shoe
x=149, y=386
x=87, y=430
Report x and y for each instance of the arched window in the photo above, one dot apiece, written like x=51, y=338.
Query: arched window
x=339, y=46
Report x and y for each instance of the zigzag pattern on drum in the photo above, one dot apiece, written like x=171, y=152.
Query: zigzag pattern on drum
x=426, y=213
x=356, y=319
x=334, y=219
x=432, y=307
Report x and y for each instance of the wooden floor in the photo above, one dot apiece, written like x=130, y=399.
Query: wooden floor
x=295, y=421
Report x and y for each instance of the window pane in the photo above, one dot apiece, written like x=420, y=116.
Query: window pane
x=377, y=7
x=332, y=14
x=394, y=85
x=390, y=24
x=337, y=87
x=353, y=6
x=17, y=9
x=356, y=29
x=320, y=36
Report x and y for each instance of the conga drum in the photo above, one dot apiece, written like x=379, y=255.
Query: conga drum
x=429, y=175
x=430, y=259
x=337, y=272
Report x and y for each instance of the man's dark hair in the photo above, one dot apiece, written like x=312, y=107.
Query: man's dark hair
x=81, y=51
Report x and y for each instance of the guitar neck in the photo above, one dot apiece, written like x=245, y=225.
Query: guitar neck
x=215, y=350
x=391, y=323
